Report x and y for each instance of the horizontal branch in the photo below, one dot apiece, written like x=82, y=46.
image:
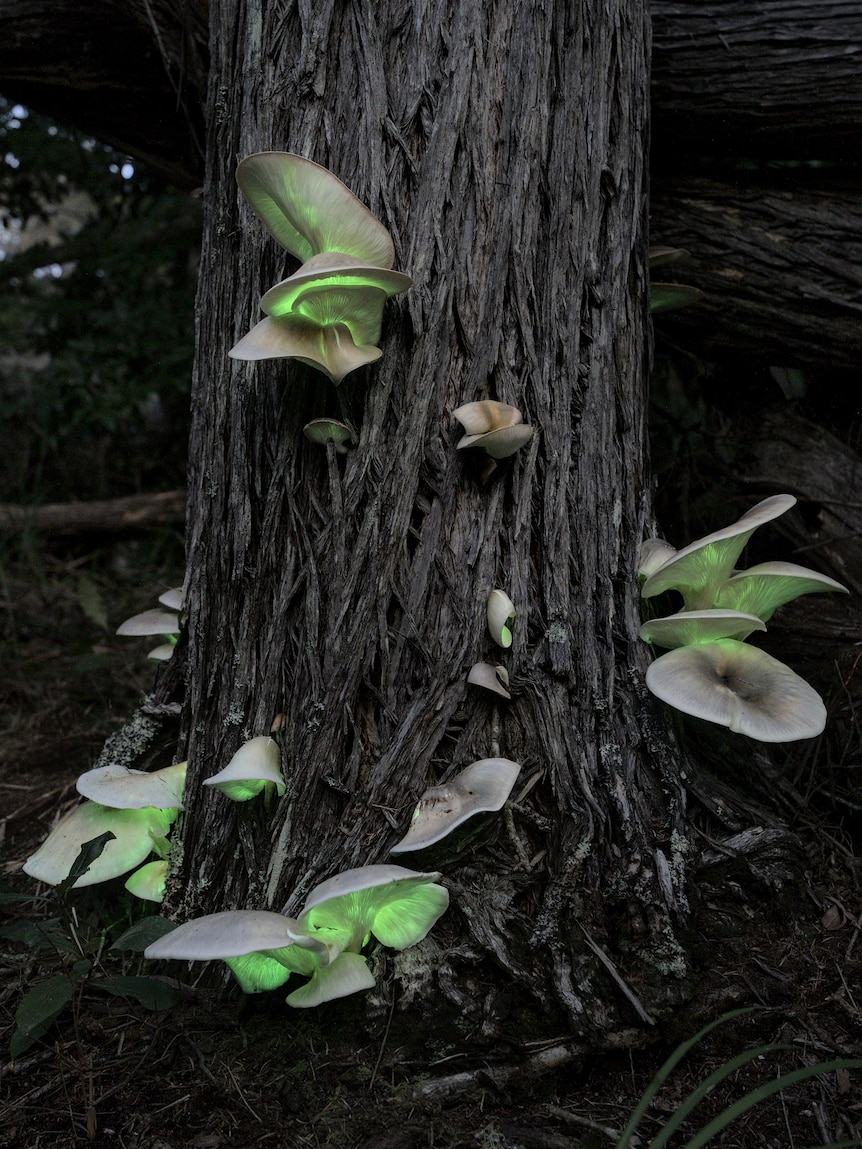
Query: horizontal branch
x=102, y=517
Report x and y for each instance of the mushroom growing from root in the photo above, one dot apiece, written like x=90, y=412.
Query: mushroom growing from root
x=740, y=687
x=256, y=766
x=698, y=570
x=482, y=788
x=501, y=614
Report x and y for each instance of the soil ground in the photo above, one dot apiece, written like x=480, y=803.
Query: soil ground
x=218, y=1070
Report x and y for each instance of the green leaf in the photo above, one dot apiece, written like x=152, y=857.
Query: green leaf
x=89, y=852
x=143, y=933
x=151, y=992
x=39, y=1009
x=90, y=601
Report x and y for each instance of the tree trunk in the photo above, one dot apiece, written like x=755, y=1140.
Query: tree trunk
x=504, y=146
x=776, y=78
x=781, y=271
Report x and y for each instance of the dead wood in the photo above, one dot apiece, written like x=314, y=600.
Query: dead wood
x=96, y=517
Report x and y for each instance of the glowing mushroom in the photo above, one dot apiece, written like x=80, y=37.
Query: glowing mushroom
x=692, y=626
x=256, y=765
x=325, y=431
x=150, y=622
x=762, y=589
x=698, y=570
x=148, y=883
x=481, y=788
x=309, y=210
x=740, y=687
x=501, y=614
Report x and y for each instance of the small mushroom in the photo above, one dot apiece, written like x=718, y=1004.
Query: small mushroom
x=501, y=613
x=135, y=833
x=692, y=626
x=308, y=210
x=762, y=589
x=482, y=787
x=653, y=554
x=257, y=764
x=151, y=622
x=163, y=652
x=126, y=789
x=148, y=883
x=173, y=599
x=497, y=428
x=493, y=678
x=325, y=431
x=740, y=687
x=699, y=569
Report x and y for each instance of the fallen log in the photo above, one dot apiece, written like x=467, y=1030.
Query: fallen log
x=781, y=271
x=100, y=517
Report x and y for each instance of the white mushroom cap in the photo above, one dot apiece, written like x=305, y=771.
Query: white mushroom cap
x=348, y=974
x=700, y=568
x=362, y=878
x=501, y=612
x=486, y=415
x=162, y=653
x=692, y=626
x=232, y=933
x=134, y=834
x=309, y=210
x=653, y=554
x=256, y=764
x=741, y=687
x=173, y=599
x=151, y=622
x=126, y=789
x=493, y=678
x=482, y=787
x=330, y=349
x=762, y=589
x=499, y=444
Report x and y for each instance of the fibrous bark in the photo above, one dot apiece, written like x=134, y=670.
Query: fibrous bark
x=503, y=144
x=781, y=271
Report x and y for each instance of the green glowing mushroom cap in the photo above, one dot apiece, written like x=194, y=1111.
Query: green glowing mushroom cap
x=332, y=271
x=482, y=787
x=309, y=210
x=325, y=431
x=255, y=765
x=692, y=626
x=126, y=789
x=699, y=569
x=148, y=883
x=762, y=589
x=740, y=687
x=396, y=905
x=501, y=613
x=134, y=834
x=150, y=622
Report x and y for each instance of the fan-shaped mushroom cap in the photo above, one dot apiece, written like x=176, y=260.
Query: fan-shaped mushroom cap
x=501, y=612
x=398, y=906
x=256, y=764
x=162, y=652
x=493, y=678
x=309, y=210
x=349, y=973
x=329, y=349
x=693, y=626
x=654, y=553
x=499, y=444
x=325, y=431
x=173, y=599
x=332, y=271
x=699, y=569
x=232, y=933
x=741, y=687
x=148, y=883
x=482, y=787
x=151, y=622
x=486, y=415
x=134, y=833
x=762, y=589
x=126, y=789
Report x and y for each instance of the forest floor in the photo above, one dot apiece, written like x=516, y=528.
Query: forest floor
x=218, y=1070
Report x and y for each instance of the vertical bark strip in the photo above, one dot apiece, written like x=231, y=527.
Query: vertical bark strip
x=504, y=146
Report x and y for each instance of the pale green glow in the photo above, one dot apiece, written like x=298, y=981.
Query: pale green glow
x=269, y=969
x=134, y=832
x=309, y=210
x=761, y=590
x=694, y=626
x=359, y=310
x=255, y=767
x=148, y=882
